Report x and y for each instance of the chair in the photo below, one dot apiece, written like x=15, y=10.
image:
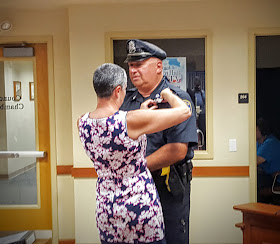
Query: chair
x=276, y=186
x=276, y=189
x=271, y=195
x=201, y=141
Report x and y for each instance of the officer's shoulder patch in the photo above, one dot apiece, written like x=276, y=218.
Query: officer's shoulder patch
x=188, y=104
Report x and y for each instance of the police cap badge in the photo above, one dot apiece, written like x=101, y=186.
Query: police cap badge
x=138, y=50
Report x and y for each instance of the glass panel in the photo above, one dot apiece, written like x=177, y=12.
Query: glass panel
x=18, y=184
x=191, y=71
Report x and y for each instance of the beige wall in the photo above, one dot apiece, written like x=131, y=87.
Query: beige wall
x=212, y=199
x=79, y=47
x=39, y=24
x=54, y=24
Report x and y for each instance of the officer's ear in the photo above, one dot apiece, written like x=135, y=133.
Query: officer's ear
x=159, y=66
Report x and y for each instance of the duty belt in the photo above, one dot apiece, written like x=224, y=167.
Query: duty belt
x=177, y=176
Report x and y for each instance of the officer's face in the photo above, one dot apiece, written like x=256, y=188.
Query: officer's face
x=145, y=74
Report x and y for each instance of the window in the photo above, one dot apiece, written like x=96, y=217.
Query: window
x=193, y=76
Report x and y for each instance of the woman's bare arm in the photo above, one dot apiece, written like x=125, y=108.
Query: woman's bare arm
x=147, y=121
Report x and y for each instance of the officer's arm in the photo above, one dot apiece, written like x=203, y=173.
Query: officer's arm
x=167, y=155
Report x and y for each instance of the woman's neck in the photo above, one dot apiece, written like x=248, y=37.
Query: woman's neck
x=104, y=108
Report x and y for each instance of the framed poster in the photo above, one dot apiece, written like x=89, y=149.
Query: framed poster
x=175, y=69
x=31, y=91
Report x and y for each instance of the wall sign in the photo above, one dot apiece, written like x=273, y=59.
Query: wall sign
x=243, y=97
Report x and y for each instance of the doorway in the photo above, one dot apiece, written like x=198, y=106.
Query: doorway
x=268, y=80
x=22, y=93
x=268, y=109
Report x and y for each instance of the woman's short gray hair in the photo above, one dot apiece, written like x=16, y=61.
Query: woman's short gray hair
x=107, y=77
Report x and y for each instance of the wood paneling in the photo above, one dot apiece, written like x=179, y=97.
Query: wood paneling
x=66, y=241
x=64, y=169
x=226, y=171
x=84, y=173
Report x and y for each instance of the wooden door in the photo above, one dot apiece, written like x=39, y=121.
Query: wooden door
x=38, y=215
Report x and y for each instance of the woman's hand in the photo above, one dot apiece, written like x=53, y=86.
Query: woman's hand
x=149, y=104
x=165, y=93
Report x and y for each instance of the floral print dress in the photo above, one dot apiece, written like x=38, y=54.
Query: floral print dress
x=128, y=209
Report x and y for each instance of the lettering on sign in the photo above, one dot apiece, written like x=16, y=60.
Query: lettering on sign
x=243, y=98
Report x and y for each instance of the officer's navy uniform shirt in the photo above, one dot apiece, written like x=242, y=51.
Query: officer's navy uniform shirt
x=184, y=132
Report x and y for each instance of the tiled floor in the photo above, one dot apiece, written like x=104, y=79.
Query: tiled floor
x=21, y=189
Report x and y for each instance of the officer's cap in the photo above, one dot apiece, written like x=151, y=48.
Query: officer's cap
x=138, y=50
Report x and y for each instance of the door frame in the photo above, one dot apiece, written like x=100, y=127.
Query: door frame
x=253, y=33
x=52, y=157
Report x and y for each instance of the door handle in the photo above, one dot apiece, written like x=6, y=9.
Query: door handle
x=23, y=154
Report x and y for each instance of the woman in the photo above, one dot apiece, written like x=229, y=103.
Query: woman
x=128, y=209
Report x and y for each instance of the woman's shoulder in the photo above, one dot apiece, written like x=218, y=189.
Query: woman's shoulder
x=83, y=117
x=118, y=116
x=122, y=113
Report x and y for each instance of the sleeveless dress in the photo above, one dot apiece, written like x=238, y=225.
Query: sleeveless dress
x=128, y=208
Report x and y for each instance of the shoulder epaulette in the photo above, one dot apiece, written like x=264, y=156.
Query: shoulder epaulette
x=175, y=88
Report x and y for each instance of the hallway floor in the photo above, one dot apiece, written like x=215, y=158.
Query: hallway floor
x=21, y=189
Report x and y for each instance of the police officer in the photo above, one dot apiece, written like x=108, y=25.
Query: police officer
x=169, y=152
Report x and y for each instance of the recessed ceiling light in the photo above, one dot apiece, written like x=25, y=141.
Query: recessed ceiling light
x=5, y=26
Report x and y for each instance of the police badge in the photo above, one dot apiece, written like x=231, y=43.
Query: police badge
x=131, y=47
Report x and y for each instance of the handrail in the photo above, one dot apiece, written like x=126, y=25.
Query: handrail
x=22, y=154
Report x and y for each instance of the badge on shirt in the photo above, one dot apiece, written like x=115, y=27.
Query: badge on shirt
x=188, y=104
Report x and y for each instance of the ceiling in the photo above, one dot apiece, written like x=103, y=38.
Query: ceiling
x=58, y=4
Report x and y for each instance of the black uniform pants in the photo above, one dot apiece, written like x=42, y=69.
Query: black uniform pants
x=176, y=212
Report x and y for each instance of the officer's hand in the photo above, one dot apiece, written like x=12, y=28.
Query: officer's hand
x=149, y=104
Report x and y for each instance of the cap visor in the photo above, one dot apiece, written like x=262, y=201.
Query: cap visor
x=136, y=59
